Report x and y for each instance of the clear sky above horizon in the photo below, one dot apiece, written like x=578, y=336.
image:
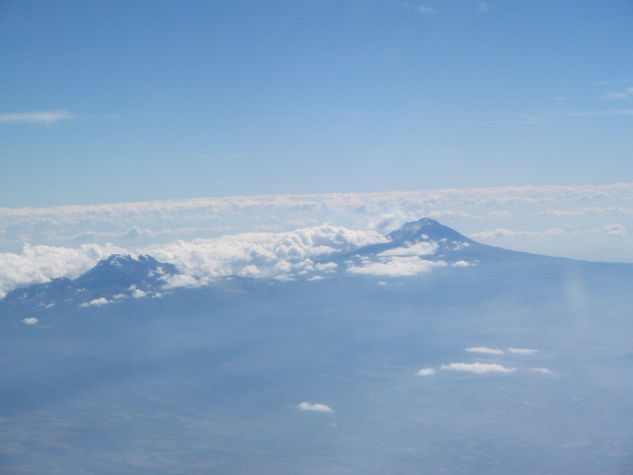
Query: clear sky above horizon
x=127, y=101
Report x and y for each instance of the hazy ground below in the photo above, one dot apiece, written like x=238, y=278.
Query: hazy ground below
x=210, y=380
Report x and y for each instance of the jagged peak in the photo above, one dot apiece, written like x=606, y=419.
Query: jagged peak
x=124, y=269
x=118, y=260
x=426, y=229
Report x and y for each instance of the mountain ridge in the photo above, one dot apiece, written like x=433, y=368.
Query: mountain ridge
x=415, y=243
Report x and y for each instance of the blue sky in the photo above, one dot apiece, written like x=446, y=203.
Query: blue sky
x=125, y=101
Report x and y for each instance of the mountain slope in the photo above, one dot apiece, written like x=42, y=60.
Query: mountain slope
x=118, y=276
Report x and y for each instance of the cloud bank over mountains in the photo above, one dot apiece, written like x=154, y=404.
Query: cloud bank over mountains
x=282, y=235
x=304, y=254
x=590, y=221
x=372, y=205
x=276, y=255
x=38, y=264
x=272, y=255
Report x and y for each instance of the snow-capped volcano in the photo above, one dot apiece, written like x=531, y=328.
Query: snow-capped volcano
x=426, y=229
x=124, y=270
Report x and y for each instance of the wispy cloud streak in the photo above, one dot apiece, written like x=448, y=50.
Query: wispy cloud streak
x=36, y=117
x=621, y=94
x=478, y=368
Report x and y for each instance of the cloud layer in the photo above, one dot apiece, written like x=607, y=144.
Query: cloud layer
x=381, y=211
x=276, y=255
x=592, y=221
x=271, y=255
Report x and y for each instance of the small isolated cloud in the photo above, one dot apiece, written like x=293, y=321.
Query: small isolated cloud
x=400, y=266
x=521, y=351
x=138, y=293
x=316, y=407
x=541, y=371
x=424, y=10
x=461, y=264
x=426, y=372
x=30, y=320
x=484, y=350
x=95, y=302
x=35, y=117
x=424, y=248
x=478, y=368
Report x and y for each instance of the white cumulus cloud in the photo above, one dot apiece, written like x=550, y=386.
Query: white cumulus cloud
x=96, y=302
x=282, y=255
x=276, y=255
x=426, y=372
x=30, y=320
x=461, y=264
x=316, y=407
x=522, y=351
x=40, y=264
x=138, y=293
x=478, y=368
x=485, y=350
x=395, y=266
x=423, y=248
